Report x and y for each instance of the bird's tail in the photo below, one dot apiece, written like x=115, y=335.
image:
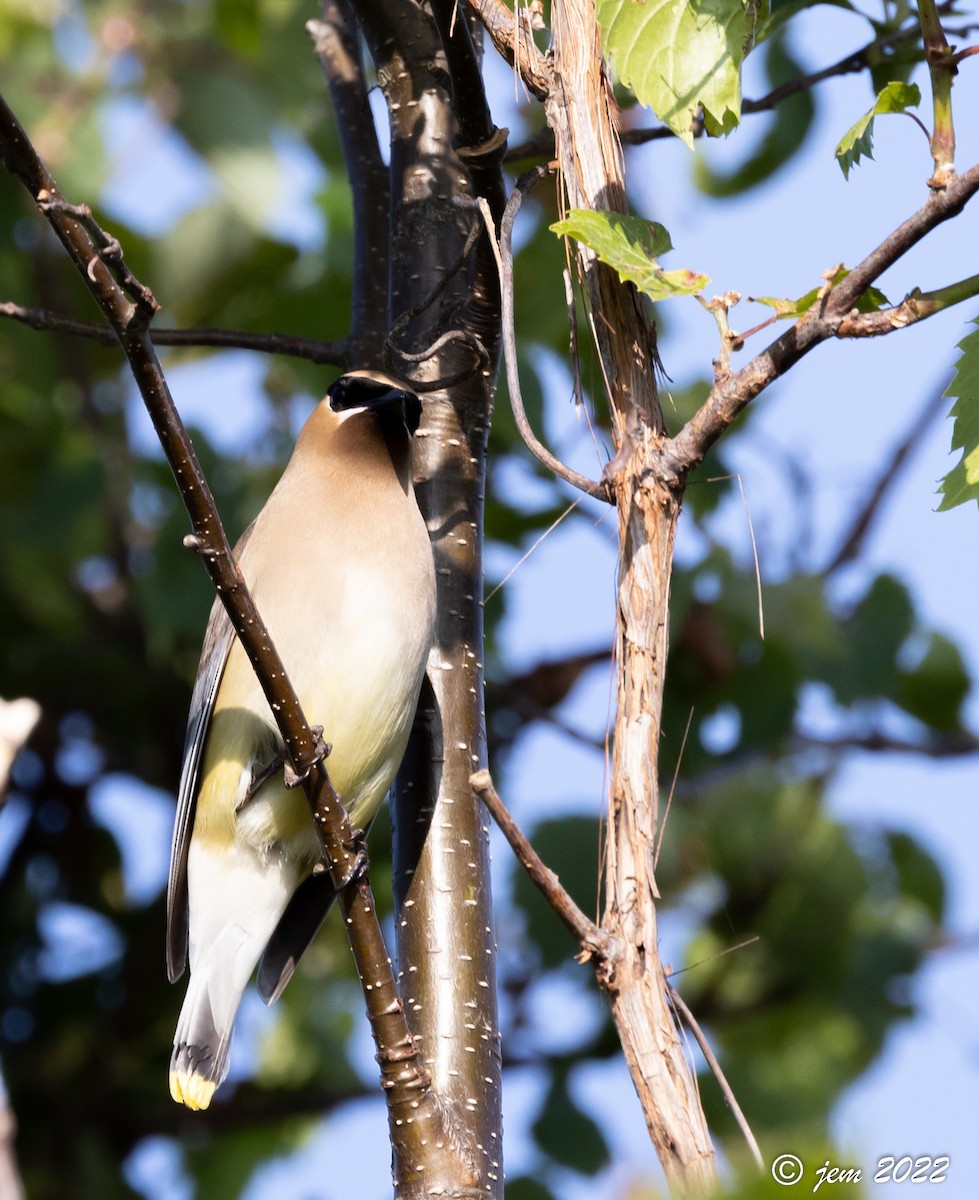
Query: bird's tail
x=199, y=1062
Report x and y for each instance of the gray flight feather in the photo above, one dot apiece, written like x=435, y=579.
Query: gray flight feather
x=218, y=640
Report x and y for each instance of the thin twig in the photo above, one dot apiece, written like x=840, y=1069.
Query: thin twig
x=754, y=555
x=464, y=337
x=334, y=354
x=593, y=939
x=417, y=310
x=691, y=1022
x=542, y=144
x=590, y=486
x=669, y=798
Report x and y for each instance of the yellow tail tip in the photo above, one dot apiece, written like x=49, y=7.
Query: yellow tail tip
x=192, y=1090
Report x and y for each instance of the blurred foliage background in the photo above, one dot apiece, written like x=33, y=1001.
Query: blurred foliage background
x=201, y=134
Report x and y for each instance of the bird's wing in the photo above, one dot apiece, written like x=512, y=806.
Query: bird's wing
x=297, y=927
x=214, y=654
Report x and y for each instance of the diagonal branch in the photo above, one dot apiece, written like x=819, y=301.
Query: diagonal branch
x=128, y=306
x=731, y=393
x=590, y=486
x=542, y=144
x=594, y=941
x=515, y=44
x=855, y=537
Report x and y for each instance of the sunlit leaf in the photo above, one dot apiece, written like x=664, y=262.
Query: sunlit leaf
x=784, y=138
x=857, y=142
x=679, y=57
x=872, y=300
x=961, y=484
x=631, y=246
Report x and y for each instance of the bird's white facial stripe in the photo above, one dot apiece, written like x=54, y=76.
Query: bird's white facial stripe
x=346, y=413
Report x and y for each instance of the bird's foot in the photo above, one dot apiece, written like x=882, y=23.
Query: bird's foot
x=293, y=779
x=358, y=863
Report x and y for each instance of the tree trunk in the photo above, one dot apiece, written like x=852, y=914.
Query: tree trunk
x=446, y=947
x=582, y=111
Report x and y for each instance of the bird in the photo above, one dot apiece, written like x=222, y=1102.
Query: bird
x=340, y=566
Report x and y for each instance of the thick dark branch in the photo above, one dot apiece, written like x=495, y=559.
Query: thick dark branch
x=446, y=951
x=336, y=354
x=128, y=305
x=734, y=391
x=336, y=43
x=480, y=146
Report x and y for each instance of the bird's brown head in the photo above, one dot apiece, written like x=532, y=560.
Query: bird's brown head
x=364, y=413
x=371, y=391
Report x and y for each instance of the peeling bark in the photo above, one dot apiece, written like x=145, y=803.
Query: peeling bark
x=582, y=111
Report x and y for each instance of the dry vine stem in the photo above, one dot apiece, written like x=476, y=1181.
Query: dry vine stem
x=582, y=111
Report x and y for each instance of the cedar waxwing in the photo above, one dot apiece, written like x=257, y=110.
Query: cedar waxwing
x=340, y=565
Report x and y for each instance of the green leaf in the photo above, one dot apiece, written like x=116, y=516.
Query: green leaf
x=631, y=246
x=784, y=138
x=567, y=1134
x=872, y=300
x=677, y=57
x=937, y=687
x=961, y=484
x=919, y=875
x=858, y=142
x=876, y=630
x=569, y=846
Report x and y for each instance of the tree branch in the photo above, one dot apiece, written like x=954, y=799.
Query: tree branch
x=853, y=541
x=514, y=42
x=336, y=354
x=443, y=897
x=584, y=115
x=542, y=145
x=916, y=306
x=128, y=306
x=335, y=40
x=711, y=1059
x=730, y=394
x=594, y=941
